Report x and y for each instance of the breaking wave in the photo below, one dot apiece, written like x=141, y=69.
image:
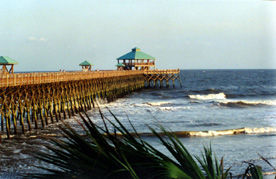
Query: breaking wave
x=208, y=96
x=240, y=104
x=174, y=108
x=157, y=103
x=234, y=131
x=211, y=133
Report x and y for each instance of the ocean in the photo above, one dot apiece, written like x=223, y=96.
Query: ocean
x=212, y=106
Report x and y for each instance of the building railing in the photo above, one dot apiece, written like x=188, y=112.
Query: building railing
x=176, y=71
x=17, y=79
x=139, y=63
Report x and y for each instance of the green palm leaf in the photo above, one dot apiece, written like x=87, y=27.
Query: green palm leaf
x=104, y=154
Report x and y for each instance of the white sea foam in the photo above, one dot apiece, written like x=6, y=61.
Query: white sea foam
x=208, y=96
x=157, y=103
x=174, y=108
x=249, y=103
x=151, y=104
x=140, y=105
x=17, y=151
x=246, y=130
x=101, y=102
x=260, y=130
x=211, y=133
x=23, y=156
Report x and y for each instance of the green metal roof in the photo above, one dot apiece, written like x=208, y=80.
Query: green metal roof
x=86, y=63
x=7, y=61
x=135, y=54
x=120, y=65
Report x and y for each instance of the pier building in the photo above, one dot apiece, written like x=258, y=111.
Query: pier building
x=86, y=66
x=6, y=62
x=137, y=60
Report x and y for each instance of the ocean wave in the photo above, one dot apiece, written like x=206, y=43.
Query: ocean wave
x=174, y=108
x=206, y=91
x=157, y=103
x=260, y=130
x=234, y=131
x=208, y=96
x=240, y=104
x=211, y=133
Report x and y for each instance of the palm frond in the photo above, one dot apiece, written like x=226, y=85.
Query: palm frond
x=253, y=171
x=103, y=154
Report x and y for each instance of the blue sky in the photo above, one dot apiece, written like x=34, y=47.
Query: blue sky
x=44, y=35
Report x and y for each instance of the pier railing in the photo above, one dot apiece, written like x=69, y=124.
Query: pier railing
x=51, y=77
x=17, y=79
x=176, y=71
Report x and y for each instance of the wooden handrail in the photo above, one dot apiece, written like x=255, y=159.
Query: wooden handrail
x=51, y=77
x=173, y=71
x=17, y=79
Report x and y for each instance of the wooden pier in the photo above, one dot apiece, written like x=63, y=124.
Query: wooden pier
x=33, y=100
x=160, y=78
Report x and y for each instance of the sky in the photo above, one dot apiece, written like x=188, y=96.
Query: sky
x=48, y=35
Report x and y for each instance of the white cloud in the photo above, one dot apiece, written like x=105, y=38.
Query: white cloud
x=35, y=39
